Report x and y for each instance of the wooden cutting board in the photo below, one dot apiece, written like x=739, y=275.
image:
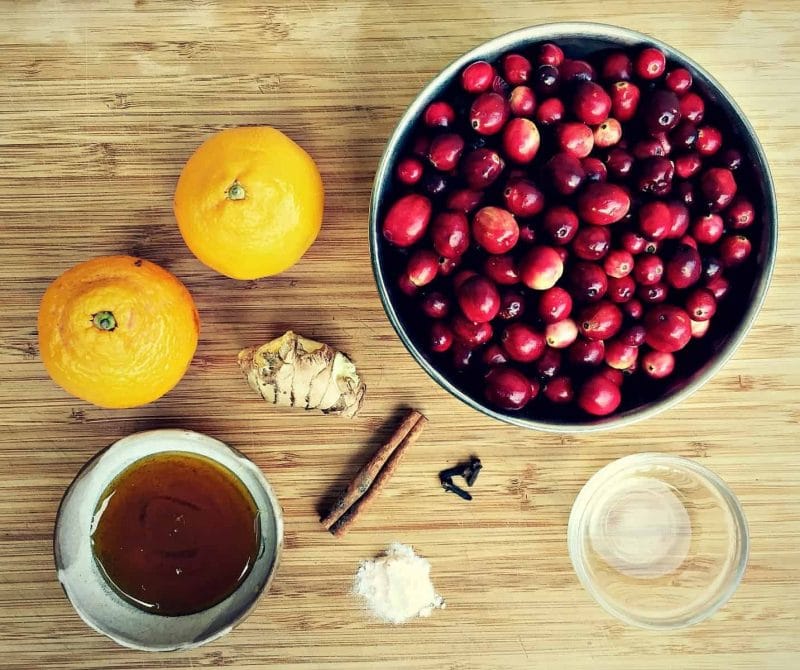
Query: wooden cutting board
x=100, y=105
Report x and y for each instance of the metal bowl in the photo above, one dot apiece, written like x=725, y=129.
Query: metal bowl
x=727, y=331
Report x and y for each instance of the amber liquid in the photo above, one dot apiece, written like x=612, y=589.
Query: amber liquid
x=175, y=533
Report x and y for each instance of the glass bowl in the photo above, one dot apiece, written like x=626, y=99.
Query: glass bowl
x=659, y=541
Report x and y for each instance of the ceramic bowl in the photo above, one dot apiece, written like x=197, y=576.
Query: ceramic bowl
x=98, y=603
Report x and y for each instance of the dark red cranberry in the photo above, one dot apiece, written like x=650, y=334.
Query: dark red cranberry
x=719, y=286
x=619, y=163
x=734, y=250
x=550, y=111
x=684, y=136
x=658, y=364
x=407, y=220
x=409, y=170
x=440, y=338
x=655, y=220
x=633, y=308
x=684, y=267
x=522, y=198
x=660, y=111
x=448, y=265
x=701, y=304
x=648, y=269
x=562, y=252
x=617, y=67
x=652, y=147
x=712, y=267
x=692, y=107
x=477, y=77
x=590, y=103
x=522, y=343
x=521, y=140
x=594, y=168
x=652, y=247
x=522, y=101
x=471, y=333
x=419, y=146
x=575, y=138
x=500, y=86
x=450, y=234
x=541, y=267
x=495, y=229
x=481, y=168
x=546, y=79
x=565, y=173
x=488, y=114
x=731, y=159
x=560, y=223
x=608, y=133
x=516, y=68
x=422, y=267
x=600, y=321
x=655, y=176
x=592, y=242
x=493, y=355
x=740, y=214
x=548, y=364
x=586, y=352
x=678, y=80
x=718, y=186
x=668, y=328
x=633, y=242
x=654, y=293
x=625, y=96
x=527, y=233
x=577, y=70
x=680, y=220
x=445, y=151
x=501, y=269
x=620, y=289
x=550, y=54
x=555, y=304
x=436, y=305
x=689, y=240
x=688, y=165
x=405, y=285
x=559, y=390
x=709, y=140
x=506, y=388
x=616, y=377
x=633, y=335
x=603, y=204
x=599, y=396
x=684, y=191
x=618, y=263
x=478, y=299
x=512, y=305
x=439, y=114
x=461, y=354
x=461, y=276
x=588, y=281
x=464, y=200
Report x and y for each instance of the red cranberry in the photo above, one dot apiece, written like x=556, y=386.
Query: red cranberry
x=684, y=136
x=477, y=77
x=575, y=138
x=481, y=168
x=436, y=305
x=576, y=70
x=679, y=80
x=522, y=343
x=740, y=214
x=701, y=304
x=419, y=146
x=516, y=68
x=550, y=111
x=548, y=364
x=500, y=86
x=464, y=200
x=719, y=286
x=450, y=234
x=555, y=304
x=660, y=111
x=734, y=250
x=603, y=204
x=479, y=299
x=512, y=305
x=684, y=267
x=501, y=269
x=620, y=289
x=521, y=140
x=527, y=234
x=494, y=355
x=616, y=377
x=655, y=219
x=712, y=267
x=422, y=267
x=586, y=352
x=688, y=165
x=559, y=390
x=405, y=285
x=445, y=151
x=462, y=276
x=689, y=241
x=407, y=220
x=625, y=97
x=652, y=147
x=594, y=168
x=709, y=140
x=439, y=114
x=654, y=293
x=590, y=103
x=564, y=172
x=409, y=171
x=655, y=176
x=617, y=67
x=718, y=187
x=618, y=263
x=658, y=364
x=588, y=281
x=731, y=159
x=652, y=247
x=608, y=133
x=540, y=268
x=599, y=396
x=488, y=114
x=441, y=337
x=684, y=191
x=471, y=333
x=461, y=354
x=506, y=388
x=620, y=355
x=699, y=328
x=668, y=328
x=592, y=242
x=692, y=107
x=680, y=220
x=600, y=321
x=650, y=63
x=448, y=265
x=633, y=242
x=561, y=334
x=634, y=335
x=563, y=253
x=521, y=101
x=648, y=269
x=561, y=223
x=546, y=79
x=522, y=198
x=495, y=229
x=619, y=163
x=550, y=54
x=434, y=183
x=633, y=308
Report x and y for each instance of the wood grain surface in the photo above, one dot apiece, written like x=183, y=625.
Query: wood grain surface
x=100, y=105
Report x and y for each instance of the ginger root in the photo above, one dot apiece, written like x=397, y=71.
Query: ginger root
x=294, y=371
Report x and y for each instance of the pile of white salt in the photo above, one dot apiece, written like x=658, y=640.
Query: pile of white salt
x=397, y=586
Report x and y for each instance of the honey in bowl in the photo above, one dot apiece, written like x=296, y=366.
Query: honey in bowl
x=175, y=533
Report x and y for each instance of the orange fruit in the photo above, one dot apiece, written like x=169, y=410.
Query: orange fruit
x=249, y=202
x=117, y=331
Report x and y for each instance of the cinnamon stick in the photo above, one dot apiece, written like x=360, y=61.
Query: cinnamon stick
x=363, y=480
x=347, y=519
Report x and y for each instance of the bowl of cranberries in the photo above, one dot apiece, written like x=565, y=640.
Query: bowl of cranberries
x=573, y=227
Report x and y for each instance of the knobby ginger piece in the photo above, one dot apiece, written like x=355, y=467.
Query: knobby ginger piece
x=294, y=371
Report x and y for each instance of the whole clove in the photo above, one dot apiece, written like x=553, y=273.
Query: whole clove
x=468, y=471
x=452, y=488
